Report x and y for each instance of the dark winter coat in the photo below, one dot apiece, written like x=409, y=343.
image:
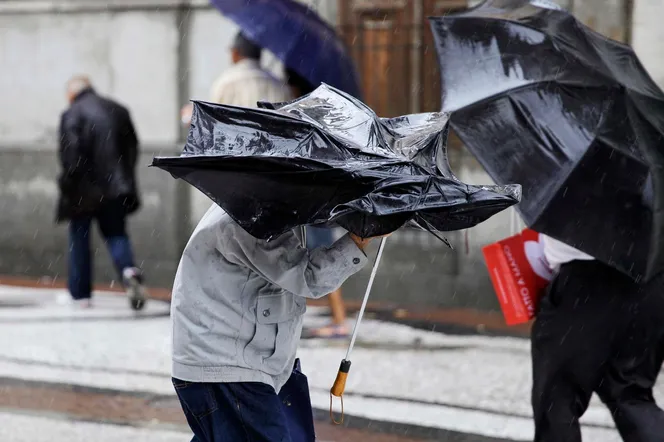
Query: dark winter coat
x=98, y=152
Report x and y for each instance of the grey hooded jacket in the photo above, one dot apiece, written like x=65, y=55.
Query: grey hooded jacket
x=238, y=301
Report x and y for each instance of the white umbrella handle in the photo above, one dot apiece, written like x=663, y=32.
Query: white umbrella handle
x=360, y=315
x=340, y=382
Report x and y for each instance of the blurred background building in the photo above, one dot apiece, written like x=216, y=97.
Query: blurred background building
x=154, y=55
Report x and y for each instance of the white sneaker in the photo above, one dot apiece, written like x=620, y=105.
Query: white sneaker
x=64, y=299
x=135, y=290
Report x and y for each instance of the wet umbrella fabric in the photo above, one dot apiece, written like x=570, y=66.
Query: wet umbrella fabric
x=542, y=100
x=298, y=37
x=326, y=159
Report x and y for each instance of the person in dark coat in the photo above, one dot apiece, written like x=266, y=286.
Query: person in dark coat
x=596, y=331
x=98, y=153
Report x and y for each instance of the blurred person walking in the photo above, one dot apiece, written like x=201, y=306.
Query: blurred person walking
x=98, y=153
x=320, y=237
x=245, y=83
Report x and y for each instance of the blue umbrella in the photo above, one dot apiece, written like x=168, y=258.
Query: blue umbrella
x=298, y=37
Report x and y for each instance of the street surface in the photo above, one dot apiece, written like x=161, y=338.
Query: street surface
x=103, y=374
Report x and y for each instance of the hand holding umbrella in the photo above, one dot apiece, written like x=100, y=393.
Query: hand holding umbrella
x=185, y=114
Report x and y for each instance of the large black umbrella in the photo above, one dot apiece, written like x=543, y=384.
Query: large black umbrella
x=542, y=100
x=326, y=159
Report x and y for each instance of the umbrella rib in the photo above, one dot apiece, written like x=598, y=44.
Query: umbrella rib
x=429, y=228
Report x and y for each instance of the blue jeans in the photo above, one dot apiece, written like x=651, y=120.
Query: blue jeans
x=111, y=220
x=233, y=412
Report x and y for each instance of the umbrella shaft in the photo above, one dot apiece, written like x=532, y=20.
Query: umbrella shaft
x=374, y=270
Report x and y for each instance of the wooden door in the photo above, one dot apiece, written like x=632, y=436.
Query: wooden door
x=377, y=33
x=392, y=44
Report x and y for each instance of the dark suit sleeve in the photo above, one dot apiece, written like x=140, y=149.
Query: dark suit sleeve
x=71, y=149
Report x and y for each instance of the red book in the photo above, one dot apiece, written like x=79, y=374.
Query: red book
x=519, y=273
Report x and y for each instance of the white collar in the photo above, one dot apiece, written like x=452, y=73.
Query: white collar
x=248, y=63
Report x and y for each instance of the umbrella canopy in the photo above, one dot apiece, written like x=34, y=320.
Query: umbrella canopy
x=298, y=37
x=542, y=100
x=326, y=159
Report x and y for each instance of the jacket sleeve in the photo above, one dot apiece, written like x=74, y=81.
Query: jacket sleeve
x=284, y=262
x=130, y=141
x=71, y=149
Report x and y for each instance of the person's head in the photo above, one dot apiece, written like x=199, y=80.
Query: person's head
x=245, y=49
x=299, y=85
x=76, y=85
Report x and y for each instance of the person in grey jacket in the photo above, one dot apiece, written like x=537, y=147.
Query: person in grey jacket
x=237, y=311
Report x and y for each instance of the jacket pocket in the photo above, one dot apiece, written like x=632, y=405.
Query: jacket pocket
x=276, y=331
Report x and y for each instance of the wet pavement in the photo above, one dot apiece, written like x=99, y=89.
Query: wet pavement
x=36, y=411
x=17, y=427
x=108, y=368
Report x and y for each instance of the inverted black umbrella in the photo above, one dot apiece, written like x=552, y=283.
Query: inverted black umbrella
x=542, y=100
x=326, y=159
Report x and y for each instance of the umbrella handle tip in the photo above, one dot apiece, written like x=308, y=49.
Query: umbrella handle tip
x=338, y=388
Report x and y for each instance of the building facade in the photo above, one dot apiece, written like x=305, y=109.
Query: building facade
x=154, y=55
